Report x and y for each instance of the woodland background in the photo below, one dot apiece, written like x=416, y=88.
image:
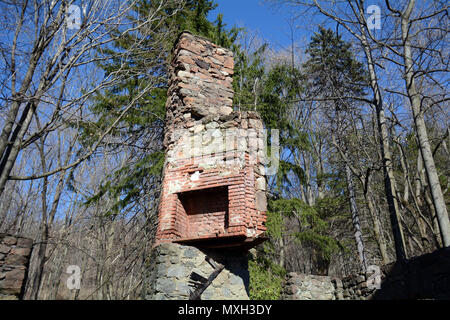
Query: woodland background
x=364, y=133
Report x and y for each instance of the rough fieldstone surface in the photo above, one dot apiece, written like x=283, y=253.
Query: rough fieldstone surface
x=423, y=277
x=171, y=265
x=212, y=186
x=355, y=287
x=308, y=287
x=15, y=254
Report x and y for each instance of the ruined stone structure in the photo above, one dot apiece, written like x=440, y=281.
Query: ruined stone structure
x=423, y=277
x=15, y=254
x=213, y=201
x=309, y=287
x=214, y=182
x=172, y=265
x=213, y=195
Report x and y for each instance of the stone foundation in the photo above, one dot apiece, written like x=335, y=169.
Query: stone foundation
x=172, y=264
x=423, y=277
x=15, y=255
x=309, y=287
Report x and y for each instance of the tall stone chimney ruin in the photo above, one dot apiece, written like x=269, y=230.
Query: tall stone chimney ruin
x=213, y=200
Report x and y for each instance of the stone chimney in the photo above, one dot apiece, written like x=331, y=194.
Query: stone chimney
x=214, y=177
x=213, y=202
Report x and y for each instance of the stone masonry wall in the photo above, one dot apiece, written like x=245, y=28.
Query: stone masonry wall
x=214, y=186
x=423, y=277
x=200, y=84
x=15, y=254
x=171, y=265
x=211, y=152
x=309, y=287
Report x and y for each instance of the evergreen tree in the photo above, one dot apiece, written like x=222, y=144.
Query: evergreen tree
x=336, y=77
x=147, y=64
x=281, y=87
x=332, y=75
x=332, y=72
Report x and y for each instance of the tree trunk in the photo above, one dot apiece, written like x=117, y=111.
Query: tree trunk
x=282, y=252
x=389, y=179
x=421, y=131
x=40, y=263
x=355, y=218
x=378, y=231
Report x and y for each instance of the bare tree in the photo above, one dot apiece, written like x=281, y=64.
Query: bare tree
x=43, y=56
x=351, y=16
x=415, y=67
x=50, y=73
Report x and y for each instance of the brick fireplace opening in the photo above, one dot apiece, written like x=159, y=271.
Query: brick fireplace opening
x=206, y=212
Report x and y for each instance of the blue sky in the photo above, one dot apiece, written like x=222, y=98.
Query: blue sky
x=270, y=22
